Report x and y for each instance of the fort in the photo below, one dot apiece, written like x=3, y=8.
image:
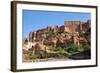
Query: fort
x=69, y=31
x=72, y=32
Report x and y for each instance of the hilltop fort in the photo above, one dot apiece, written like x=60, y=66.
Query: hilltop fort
x=72, y=32
x=69, y=32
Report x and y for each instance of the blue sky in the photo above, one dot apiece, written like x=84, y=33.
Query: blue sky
x=34, y=20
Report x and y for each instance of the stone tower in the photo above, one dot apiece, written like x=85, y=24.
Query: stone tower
x=31, y=37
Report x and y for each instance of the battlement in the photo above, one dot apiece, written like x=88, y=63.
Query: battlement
x=69, y=26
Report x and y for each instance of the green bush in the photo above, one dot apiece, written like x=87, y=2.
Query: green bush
x=57, y=55
x=86, y=47
x=40, y=55
x=34, y=56
x=57, y=49
x=72, y=49
x=60, y=55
